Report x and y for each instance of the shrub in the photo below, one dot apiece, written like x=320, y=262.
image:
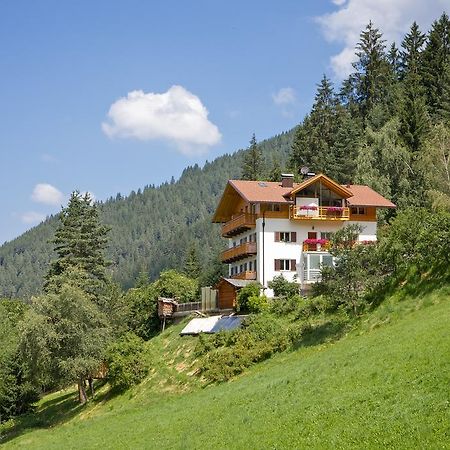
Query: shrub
x=228, y=354
x=127, y=363
x=251, y=290
x=174, y=284
x=282, y=287
x=257, y=303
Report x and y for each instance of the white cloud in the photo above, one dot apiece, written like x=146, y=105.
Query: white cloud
x=285, y=96
x=177, y=116
x=32, y=217
x=48, y=158
x=392, y=17
x=48, y=194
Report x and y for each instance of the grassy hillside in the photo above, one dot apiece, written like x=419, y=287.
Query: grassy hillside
x=384, y=385
x=151, y=229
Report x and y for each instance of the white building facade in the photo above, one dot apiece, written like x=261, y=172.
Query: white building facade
x=284, y=228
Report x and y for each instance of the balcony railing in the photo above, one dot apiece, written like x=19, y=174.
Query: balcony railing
x=238, y=224
x=321, y=245
x=319, y=213
x=239, y=252
x=247, y=275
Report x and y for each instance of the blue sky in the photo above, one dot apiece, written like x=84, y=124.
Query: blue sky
x=108, y=96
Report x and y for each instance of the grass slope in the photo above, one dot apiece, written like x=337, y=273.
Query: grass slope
x=385, y=385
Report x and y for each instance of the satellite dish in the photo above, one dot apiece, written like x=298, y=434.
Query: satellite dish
x=304, y=170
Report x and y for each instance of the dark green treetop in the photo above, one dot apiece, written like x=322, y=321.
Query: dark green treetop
x=253, y=164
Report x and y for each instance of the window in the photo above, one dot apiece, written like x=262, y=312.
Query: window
x=285, y=236
x=358, y=210
x=326, y=235
x=250, y=266
x=273, y=207
x=285, y=264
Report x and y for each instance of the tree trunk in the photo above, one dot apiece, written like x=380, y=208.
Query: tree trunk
x=91, y=386
x=82, y=397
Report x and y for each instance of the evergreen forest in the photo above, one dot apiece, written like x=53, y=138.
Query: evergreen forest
x=386, y=125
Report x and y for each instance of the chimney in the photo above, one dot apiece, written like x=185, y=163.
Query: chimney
x=287, y=180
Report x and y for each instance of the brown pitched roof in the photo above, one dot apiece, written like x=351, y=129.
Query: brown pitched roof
x=261, y=191
x=273, y=192
x=365, y=196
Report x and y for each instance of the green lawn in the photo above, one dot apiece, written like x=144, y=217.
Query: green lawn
x=385, y=385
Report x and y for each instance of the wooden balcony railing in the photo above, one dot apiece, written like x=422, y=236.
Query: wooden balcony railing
x=239, y=252
x=311, y=247
x=247, y=275
x=319, y=213
x=238, y=224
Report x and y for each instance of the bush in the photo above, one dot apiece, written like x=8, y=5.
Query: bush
x=283, y=288
x=127, y=363
x=228, y=354
x=286, y=305
x=251, y=290
x=173, y=284
x=257, y=303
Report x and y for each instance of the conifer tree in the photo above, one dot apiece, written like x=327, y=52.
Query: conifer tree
x=253, y=164
x=436, y=57
x=413, y=114
x=373, y=76
x=315, y=137
x=80, y=242
x=192, y=268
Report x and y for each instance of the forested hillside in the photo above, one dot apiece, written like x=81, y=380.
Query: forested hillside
x=386, y=126
x=151, y=229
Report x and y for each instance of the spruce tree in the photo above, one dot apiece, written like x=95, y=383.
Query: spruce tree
x=413, y=114
x=436, y=57
x=192, y=267
x=315, y=137
x=253, y=163
x=80, y=242
x=374, y=75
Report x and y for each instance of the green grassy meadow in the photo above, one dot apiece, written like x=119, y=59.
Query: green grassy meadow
x=386, y=384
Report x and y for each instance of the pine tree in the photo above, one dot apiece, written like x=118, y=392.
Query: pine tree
x=253, y=164
x=80, y=242
x=192, y=268
x=315, y=137
x=373, y=76
x=436, y=57
x=414, y=121
x=394, y=59
x=411, y=54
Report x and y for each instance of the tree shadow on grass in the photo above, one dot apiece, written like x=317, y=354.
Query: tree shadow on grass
x=326, y=332
x=55, y=411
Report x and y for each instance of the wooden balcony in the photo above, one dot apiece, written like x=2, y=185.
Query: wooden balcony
x=239, y=252
x=319, y=213
x=238, y=224
x=308, y=247
x=247, y=275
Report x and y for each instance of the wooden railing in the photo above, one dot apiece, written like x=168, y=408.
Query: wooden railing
x=238, y=223
x=307, y=247
x=319, y=213
x=247, y=275
x=191, y=306
x=239, y=252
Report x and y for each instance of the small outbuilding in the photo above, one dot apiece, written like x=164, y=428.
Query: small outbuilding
x=227, y=291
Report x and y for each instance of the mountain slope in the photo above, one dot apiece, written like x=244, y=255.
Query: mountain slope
x=151, y=229
x=385, y=385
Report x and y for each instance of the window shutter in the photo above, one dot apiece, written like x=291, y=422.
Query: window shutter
x=293, y=265
x=293, y=236
x=277, y=265
x=277, y=236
